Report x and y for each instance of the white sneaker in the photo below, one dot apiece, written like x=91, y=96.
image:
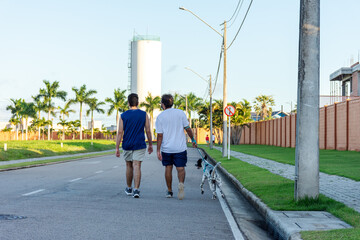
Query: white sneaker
x=181, y=192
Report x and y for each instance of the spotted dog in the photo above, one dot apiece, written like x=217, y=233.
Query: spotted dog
x=209, y=173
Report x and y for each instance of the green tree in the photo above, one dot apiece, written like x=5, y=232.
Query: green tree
x=262, y=106
x=118, y=103
x=82, y=96
x=48, y=94
x=193, y=105
x=38, y=106
x=94, y=105
x=15, y=122
x=64, y=112
x=241, y=119
x=150, y=104
x=15, y=109
x=27, y=110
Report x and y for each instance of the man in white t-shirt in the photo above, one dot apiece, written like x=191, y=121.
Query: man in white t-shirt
x=171, y=142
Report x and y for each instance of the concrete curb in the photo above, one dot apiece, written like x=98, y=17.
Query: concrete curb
x=274, y=224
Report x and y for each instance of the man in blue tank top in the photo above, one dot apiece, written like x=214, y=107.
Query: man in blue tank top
x=131, y=130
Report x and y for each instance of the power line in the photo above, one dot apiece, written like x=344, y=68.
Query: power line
x=218, y=69
x=241, y=24
x=237, y=14
x=234, y=11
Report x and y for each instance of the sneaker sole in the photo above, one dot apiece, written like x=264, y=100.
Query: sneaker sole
x=128, y=194
x=136, y=196
x=181, y=193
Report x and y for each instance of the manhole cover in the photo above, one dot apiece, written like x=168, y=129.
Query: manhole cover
x=10, y=217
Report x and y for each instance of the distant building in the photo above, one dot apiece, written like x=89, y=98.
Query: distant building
x=4, y=125
x=345, y=81
x=274, y=114
x=111, y=128
x=97, y=124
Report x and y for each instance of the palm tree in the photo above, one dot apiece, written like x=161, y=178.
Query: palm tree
x=263, y=105
x=119, y=103
x=27, y=110
x=241, y=118
x=82, y=97
x=48, y=94
x=193, y=104
x=15, y=109
x=15, y=122
x=178, y=101
x=38, y=106
x=94, y=105
x=72, y=125
x=151, y=103
x=64, y=112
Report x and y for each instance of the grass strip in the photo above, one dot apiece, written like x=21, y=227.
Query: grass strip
x=278, y=194
x=57, y=160
x=340, y=163
x=36, y=149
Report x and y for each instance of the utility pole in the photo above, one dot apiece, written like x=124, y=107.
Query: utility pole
x=307, y=121
x=224, y=144
x=186, y=109
x=211, y=119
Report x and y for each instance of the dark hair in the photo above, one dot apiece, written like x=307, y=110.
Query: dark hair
x=133, y=100
x=167, y=100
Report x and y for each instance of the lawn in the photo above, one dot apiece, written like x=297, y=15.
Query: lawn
x=341, y=163
x=36, y=149
x=278, y=193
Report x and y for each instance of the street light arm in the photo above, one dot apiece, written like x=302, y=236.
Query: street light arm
x=196, y=74
x=182, y=8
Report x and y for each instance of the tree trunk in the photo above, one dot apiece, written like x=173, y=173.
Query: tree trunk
x=117, y=122
x=152, y=124
x=92, y=125
x=49, y=125
x=17, y=131
x=80, y=121
x=26, y=128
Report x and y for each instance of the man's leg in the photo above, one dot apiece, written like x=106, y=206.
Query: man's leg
x=168, y=177
x=181, y=174
x=137, y=173
x=129, y=173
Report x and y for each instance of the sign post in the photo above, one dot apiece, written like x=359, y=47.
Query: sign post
x=229, y=111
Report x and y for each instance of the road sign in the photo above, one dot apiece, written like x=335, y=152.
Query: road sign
x=229, y=110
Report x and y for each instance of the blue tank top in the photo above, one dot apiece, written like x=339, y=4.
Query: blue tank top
x=134, y=124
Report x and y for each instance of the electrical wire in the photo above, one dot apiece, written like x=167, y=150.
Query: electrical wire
x=234, y=11
x=237, y=14
x=218, y=69
x=241, y=24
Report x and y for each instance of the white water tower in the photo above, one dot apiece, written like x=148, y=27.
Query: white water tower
x=145, y=66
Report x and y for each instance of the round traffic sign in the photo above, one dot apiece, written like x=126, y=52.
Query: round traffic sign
x=229, y=110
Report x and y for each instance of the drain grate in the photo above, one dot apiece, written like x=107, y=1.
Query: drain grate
x=10, y=217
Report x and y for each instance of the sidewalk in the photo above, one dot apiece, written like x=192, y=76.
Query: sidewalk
x=338, y=188
x=48, y=158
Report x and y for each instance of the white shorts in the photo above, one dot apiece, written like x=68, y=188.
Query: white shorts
x=134, y=155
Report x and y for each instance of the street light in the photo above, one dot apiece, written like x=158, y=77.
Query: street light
x=210, y=94
x=223, y=36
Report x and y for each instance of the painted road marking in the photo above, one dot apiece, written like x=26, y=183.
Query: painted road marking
x=234, y=227
x=34, y=192
x=76, y=179
x=115, y=166
x=99, y=171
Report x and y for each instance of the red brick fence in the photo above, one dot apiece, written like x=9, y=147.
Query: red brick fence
x=339, y=128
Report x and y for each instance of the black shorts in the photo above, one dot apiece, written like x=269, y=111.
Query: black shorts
x=177, y=159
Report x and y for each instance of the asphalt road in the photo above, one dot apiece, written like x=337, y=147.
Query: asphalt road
x=85, y=199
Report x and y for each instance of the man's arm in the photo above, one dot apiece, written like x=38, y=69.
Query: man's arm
x=191, y=136
x=159, y=141
x=148, y=134
x=119, y=137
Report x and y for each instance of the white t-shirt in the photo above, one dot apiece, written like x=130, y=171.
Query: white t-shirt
x=171, y=123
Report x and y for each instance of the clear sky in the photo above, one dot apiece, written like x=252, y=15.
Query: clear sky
x=87, y=42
